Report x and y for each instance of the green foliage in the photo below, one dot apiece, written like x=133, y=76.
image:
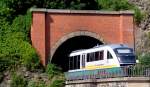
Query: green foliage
x=36, y=84
x=145, y=60
x=57, y=83
x=138, y=15
x=118, y=5
x=4, y=28
x=14, y=44
x=70, y=4
x=5, y=12
x=18, y=81
x=12, y=8
x=54, y=4
x=55, y=73
x=15, y=7
x=7, y=62
x=22, y=24
x=52, y=70
x=16, y=51
x=76, y=5
x=29, y=57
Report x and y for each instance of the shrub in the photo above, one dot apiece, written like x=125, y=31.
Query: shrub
x=145, y=59
x=18, y=81
x=22, y=24
x=52, y=70
x=57, y=83
x=36, y=84
x=55, y=73
x=15, y=46
x=15, y=51
x=7, y=62
x=139, y=16
x=115, y=5
x=77, y=5
x=29, y=57
x=5, y=12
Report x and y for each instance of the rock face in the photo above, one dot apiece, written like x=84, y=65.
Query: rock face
x=28, y=75
x=143, y=29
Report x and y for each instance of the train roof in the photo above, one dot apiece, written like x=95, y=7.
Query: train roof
x=113, y=46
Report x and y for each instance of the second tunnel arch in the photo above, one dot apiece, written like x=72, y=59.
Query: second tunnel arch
x=73, y=41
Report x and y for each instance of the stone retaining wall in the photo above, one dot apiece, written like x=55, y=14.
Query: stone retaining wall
x=111, y=82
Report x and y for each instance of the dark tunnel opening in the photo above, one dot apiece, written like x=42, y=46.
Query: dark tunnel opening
x=60, y=57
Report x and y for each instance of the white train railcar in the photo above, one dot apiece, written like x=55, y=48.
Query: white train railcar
x=103, y=56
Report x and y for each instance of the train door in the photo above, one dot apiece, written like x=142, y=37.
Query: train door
x=111, y=59
x=83, y=59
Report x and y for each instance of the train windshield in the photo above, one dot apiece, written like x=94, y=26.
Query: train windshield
x=124, y=51
x=125, y=55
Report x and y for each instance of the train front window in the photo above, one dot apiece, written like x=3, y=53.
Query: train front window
x=124, y=50
x=125, y=55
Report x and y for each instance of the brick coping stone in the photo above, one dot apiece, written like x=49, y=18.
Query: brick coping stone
x=126, y=12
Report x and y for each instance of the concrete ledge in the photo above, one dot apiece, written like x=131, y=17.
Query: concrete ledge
x=125, y=79
x=121, y=79
x=127, y=12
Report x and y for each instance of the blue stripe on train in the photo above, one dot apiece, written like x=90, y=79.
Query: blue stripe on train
x=95, y=74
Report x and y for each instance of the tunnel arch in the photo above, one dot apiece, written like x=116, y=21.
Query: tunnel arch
x=73, y=41
x=74, y=34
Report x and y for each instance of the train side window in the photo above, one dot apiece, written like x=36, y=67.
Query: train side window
x=97, y=55
x=77, y=62
x=90, y=57
x=70, y=63
x=74, y=62
x=109, y=56
x=101, y=55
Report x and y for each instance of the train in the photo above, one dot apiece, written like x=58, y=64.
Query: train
x=100, y=61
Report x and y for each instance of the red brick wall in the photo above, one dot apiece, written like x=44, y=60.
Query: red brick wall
x=49, y=27
x=38, y=34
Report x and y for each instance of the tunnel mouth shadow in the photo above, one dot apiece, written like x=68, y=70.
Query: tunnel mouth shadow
x=61, y=55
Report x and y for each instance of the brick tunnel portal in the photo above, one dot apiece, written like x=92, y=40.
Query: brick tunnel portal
x=60, y=57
